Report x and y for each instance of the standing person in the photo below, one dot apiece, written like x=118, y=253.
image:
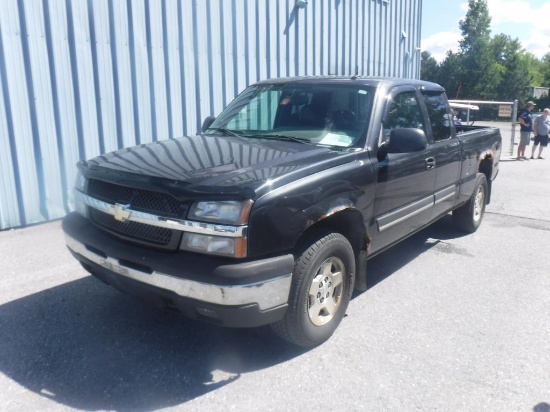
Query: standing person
x=525, y=129
x=541, y=129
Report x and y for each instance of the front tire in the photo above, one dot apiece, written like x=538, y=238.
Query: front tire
x=322, y=285
x=468, y=217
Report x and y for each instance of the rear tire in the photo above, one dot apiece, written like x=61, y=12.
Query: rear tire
x=322, y=285
x=468, y=217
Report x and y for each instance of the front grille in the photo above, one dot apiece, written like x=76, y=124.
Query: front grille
x=156, y=203
x=160, y=204
x=142, y=233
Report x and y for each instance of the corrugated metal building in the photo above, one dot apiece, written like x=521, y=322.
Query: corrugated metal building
x=83, y=77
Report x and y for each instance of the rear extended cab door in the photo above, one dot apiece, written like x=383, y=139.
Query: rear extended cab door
x=404, y=194
x=446, y=150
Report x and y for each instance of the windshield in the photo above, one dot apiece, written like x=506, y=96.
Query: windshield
x=328, y=115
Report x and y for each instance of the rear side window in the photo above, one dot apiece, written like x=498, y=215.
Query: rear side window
x=440, y=117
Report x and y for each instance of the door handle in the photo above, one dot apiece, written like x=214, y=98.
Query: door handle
x=430, y=163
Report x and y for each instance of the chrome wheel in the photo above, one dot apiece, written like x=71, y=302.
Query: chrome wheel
x=479, y=203
x=322, y=285
x=325, y=292
x=468, y=217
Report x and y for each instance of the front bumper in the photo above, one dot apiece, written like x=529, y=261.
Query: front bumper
x=225, y=291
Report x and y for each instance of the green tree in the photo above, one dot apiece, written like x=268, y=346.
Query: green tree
x=477, y=72
x=449, y=75
x=429, y=68
x=544, y=70
x=487, y=68
x=535, y=68
x=542, y=78
x=475, y=26
x=514, y=65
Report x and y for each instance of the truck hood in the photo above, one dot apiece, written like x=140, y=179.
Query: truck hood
x=215, y=165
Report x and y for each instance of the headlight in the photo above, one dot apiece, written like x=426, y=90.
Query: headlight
x=223, y=212
x=80, y=187
x=229, y=212
x=215, y=245
x=80, y=182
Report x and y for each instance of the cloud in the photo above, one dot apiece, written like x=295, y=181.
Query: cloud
x=539, y=42
x=510, y=11
x=440, y=43
x=520, y=19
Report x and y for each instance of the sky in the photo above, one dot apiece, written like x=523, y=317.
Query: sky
x=526, y=20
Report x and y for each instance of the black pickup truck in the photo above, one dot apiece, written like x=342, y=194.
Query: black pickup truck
x=270, y=215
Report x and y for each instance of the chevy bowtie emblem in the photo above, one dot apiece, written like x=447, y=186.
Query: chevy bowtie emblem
x=121, y=212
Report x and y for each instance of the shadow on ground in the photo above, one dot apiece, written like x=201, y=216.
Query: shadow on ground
x=542, y=407
x=393, y=259
x=87, y=346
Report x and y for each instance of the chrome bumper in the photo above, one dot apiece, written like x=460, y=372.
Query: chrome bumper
x=267, y=294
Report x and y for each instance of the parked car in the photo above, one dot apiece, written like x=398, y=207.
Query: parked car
x=270, y=214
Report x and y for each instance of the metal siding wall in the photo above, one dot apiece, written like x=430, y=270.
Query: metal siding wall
x=16, y=90
x=8, y=179
x=372, y=29
x=83, y=77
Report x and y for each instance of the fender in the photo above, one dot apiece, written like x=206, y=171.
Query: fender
x=287, y=212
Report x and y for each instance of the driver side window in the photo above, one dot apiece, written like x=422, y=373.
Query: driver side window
x=404, y=111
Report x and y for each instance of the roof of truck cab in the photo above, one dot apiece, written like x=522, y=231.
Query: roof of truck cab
x=365, y=80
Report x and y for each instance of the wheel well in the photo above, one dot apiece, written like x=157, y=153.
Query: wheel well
x=349, y=223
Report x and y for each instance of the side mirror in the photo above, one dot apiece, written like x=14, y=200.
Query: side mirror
x=207, y=123
x=404, y=140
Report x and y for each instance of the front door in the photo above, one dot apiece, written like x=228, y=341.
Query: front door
x=405, y=186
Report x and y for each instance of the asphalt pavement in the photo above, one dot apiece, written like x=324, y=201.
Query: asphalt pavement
x=449, y=322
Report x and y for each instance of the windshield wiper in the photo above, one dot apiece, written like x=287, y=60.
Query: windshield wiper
x=225, y=131
x=279, y=137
